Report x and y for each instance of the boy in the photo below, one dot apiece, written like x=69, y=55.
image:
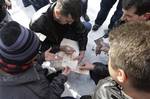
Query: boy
x=129, y=64
x=20, y=76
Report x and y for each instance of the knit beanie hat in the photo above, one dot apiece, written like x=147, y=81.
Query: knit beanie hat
x=18, y=45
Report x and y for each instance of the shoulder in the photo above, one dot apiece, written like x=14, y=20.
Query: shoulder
x=107, y=88
x=39, y=13
x=106, y=82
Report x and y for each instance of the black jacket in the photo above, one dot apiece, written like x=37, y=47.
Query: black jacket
x=109, y=89
x=55, y=32
x=32, y=84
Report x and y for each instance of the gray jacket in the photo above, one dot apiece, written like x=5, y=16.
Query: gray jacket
x=32, y=84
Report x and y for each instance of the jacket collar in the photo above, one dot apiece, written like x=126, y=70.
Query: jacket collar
x=27, y=76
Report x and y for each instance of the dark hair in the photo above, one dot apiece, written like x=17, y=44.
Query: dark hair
x=142, y=6
x=10, y=33
x=72, y=7
x=2, y=10
x=130, y=51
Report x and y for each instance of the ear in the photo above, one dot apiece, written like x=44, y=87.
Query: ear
x=146, y=16
x=121, y=76
x=57, y=13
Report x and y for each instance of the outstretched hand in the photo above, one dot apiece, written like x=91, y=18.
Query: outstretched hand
x=66, y=71
x=87, y=66
x=50, y=56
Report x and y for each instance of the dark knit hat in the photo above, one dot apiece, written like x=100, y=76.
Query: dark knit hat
x=18, y=44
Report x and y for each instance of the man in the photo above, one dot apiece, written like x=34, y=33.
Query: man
x=20, y=76
x=134, y=10
x=62, y=20
x=84, y=9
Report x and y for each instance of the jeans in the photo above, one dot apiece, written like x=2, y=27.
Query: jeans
x=106, y=6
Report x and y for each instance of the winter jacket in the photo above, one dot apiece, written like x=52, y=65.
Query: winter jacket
x=55, y=32
x=31, y=84
x=109, y=89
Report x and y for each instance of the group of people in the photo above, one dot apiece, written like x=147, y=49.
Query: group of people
x=22, y=53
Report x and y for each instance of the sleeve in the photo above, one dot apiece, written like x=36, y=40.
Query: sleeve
x=81, y=35
x=38, y=25
x=48, y=90
x=99, y=72
x=57, y=86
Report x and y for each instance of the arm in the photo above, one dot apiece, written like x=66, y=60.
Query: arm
x=57, y=85
x=38, y=25
x=45, y=89
x=81, y=36
x=39, y=20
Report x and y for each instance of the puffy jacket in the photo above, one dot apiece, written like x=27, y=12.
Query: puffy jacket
x=31, y=84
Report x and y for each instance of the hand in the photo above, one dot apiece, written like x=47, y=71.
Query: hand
x=66, y=71
x=80, y=57
x=8, y=4
x=50, y=56
x=67, y=49
x=103, y=47
x=87, y=66
x=98, y=49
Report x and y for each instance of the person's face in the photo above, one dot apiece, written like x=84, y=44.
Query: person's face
x=130, y=15
x=64, y=19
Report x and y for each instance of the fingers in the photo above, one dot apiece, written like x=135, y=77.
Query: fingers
x=66, y=71
x=98, y=50
x=82, y=67
x=56, y=57
x=51, y=57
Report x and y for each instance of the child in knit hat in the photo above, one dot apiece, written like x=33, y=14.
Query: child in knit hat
x=20, y=77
